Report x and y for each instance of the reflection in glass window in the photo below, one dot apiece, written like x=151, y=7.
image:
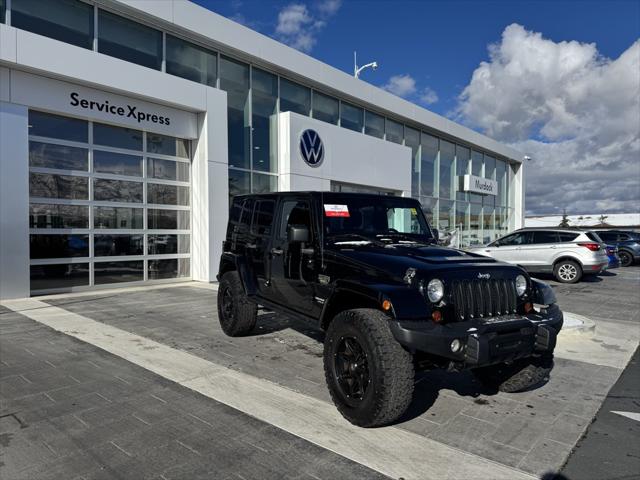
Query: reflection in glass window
x=239, y=182
x=325, y=108
x=69, y=21
x=263, y=214
x=462, y=222
x=186, y=60
x=264, y=104
x=169, y=268
x=54, y=126
x=373, y=124
x=264, y=183
x=167, y=169
x=167, y=219
x=501, y=178
x=446, y=215
x=161, y=193
x=44, y=277
x=412, y=140
x=58, y=246
x=351, y=117
x=62, y=157
x=447, y=154
x=489, y=167
x=488, y=231
x=476, y=164
x=428, y=165
x=294, y=97
x=121, y=244
x=117, y=190
x=44, y=215
x=475, y=224
x=463, y=155
x=118, y=272
x=118, y=137
x=58, y=186
x=117, y=217
x=430, y=209
x=128, y=40
x=167, y=244
x=117, y=163
x=393, y=131
x=3, y=7
x=165, y=145
x=234, y=79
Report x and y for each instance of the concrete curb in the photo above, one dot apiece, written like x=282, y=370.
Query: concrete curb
x=577, y=324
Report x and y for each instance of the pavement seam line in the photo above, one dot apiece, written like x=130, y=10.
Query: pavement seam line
x=391, y=451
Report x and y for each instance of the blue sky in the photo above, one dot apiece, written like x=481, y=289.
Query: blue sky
x=561, y=83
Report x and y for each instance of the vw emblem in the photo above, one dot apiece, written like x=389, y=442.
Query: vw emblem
x=311, y=148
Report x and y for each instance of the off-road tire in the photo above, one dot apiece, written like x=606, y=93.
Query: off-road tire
x=568, y=265
x=390, y=368
x=239, y=318
x=517, y=376
x=626, y=259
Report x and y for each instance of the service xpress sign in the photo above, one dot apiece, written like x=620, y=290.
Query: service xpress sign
x=484, y=186
x=127, y=110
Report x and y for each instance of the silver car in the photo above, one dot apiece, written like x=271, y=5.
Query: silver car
x=567, y=253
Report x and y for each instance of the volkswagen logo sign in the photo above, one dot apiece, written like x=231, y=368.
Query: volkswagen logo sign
x=311, y=148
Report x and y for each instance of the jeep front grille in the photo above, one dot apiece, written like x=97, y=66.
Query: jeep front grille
x=483, y=298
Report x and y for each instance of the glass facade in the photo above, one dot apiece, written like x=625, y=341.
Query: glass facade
x=107, y=204
x=186, y=60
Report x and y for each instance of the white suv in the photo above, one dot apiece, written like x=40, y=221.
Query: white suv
x=568, y=254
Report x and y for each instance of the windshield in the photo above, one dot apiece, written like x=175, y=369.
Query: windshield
x=355, y=218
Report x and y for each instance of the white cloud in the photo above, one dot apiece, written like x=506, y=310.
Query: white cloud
x=574, y=111
x=428, y=96
x=299, y=27
x=401, y=85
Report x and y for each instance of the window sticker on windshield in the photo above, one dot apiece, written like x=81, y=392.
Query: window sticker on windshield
x=414, y=212
x=336, y=210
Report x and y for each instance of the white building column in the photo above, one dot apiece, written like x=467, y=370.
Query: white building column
x=14, y=201
x=517, y=195
x=210, y=184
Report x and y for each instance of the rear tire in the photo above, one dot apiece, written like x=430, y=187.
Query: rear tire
x=626, y=259
x=369, y=375
x=516, y=377
x=567, y=271
x=236, y=313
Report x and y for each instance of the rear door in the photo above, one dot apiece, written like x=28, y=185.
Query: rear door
x=258, y=252
x=539, y=253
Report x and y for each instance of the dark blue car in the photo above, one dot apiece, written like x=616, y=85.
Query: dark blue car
x=614, y=259
x=628, y=244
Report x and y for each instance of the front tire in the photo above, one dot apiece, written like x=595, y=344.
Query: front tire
x=369, y=375
x=626, y=259
x=567, y=271
x=517, y=376
x=236, y=313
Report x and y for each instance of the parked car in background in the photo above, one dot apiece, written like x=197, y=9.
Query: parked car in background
x=628, y=244
x=568, y=254
x=614, y=259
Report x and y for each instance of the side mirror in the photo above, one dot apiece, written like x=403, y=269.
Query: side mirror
x=436, y=234
x=298, y=234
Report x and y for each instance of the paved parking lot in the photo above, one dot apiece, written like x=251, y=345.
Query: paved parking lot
x=528, y=433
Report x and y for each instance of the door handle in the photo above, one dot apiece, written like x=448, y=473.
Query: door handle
x=487, y=250
x=251, y=246
x=518, y=248
x=553, y=246
x=277, y=251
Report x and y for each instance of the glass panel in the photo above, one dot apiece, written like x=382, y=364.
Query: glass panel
x=446, y=216
x=168, y=244
x=543, y=236
x=167, y=169
x=69, y=21
x=58, y=246
x=428, y=165
x=117, y=137
x=489, y=167
x=476, y=169
x=462, y=168
x=475, y=224
x=167, y=219
x=167, y=194
x=44, y=277
x=239, y=182
x=117, y=272
x=110, y=245
x=117, y=217
x=264, y=104
x=264, y=183
x=58, y=186
x=351, y=117
x=128, y=40
x=164, y=145
x=430, y=209
x=117, y=163
x=462, y=223
x=373, y=124
x=117, y=190
x=393, y=131
x=263, y=217
x=412, y=140
x=3, y=7
x=190, y=61
x=294, y=97
x=501, y=178
x=169, y=268
x=44, y=215
x=325, y=108
x=48, y=155
x=447, y=152
x=234, y=79
x=488, y=231
x=54, y=126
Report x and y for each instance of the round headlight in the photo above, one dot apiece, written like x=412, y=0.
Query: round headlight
x=521, y=285
x=435, y=290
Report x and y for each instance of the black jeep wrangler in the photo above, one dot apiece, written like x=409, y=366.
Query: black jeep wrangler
x=367, y=270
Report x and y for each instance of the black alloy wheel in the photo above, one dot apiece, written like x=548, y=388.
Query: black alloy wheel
x=351, y=370
x=625, y=258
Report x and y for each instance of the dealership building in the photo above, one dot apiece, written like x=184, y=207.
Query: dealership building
x=126, y=126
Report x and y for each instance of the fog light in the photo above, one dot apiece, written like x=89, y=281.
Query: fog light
x=436, y=316
x=456, y=346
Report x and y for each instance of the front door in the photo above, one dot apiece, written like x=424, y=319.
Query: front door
x=508, y=249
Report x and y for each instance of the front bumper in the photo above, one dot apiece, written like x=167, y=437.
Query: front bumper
x=484, y=341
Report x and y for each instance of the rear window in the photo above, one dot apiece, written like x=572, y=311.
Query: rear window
x=608, y=236
x=594, y=237
x=567, y=236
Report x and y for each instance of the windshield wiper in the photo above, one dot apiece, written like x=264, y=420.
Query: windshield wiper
x=407, y=237
x=354, y=236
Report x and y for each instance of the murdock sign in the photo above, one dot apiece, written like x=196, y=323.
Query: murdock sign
x=484, y=186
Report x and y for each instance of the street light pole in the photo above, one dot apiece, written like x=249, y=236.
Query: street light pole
x=357, y=70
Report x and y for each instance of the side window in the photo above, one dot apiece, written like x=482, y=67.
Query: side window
x=263, y=217
x=294, y=213
x=567, y=237
x=245, y=216
x=623, y=237
x=608, y=236
x=515, y=239
x=542, y=236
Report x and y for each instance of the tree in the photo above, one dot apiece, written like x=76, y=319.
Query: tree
x=565, y=219
x=603, y=218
